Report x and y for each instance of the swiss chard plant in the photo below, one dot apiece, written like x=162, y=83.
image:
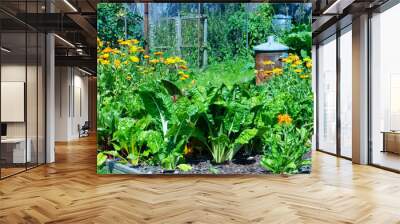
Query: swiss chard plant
x=286, y=148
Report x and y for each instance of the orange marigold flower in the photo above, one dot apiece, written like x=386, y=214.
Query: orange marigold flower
x=158, y=53
x=184, y=67
x=284, y=119
x=146, y=56
x=107, y=50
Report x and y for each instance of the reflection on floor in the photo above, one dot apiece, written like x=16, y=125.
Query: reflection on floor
x=10, y=171
x=386, y=159
x=70, y=191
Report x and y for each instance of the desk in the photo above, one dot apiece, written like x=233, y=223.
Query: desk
x=16, y=147
x=391, y=141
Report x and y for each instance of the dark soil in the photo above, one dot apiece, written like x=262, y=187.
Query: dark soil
x=241, y=165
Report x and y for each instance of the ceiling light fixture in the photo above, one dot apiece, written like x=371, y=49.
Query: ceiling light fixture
x=5, y=50
x=70, y=5
x=65, y=41
x=84, y=71
x=337, y=7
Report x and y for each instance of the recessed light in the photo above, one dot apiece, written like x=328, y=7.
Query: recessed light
x=5, y=50
x=65, y=41
x=70, y=5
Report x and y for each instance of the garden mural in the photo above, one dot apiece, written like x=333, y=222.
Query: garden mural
x=204, y=88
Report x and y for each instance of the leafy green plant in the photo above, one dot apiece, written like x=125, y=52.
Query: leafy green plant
x=111, y=19
x=286, y=147
x=184, y=167
x=228, y=121
x=299, y=39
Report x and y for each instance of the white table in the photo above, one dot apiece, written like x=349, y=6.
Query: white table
x=18, y=144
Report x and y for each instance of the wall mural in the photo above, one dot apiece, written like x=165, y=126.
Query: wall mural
x=204, y=88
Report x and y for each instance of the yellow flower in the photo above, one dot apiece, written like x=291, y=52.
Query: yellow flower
x=181, y=73
x=287, y=60
x=105, y=56
x=104, y=62
x=182, y=78
x=284, y=119
x=99, y=43
x=268, y=62
x=133, y=49
x=125, y=42
x=158, y=53
x=134, y=41
x=298, y=70
x=117, y=63
x=308, y=64
x=134, y=59
x=307, y=59
x=304, y=76
x=277, y=71
x=188, y=150
x=128, y=77
x=146, y=56
x=154, y=61
x=174, y=60
x=297, y=62
x=107, y=50
x=266, y=73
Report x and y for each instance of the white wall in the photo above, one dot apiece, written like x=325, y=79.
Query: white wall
x=70, y=83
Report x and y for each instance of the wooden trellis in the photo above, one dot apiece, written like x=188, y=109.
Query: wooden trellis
x=174, y=38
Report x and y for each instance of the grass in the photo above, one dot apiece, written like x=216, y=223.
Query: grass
x=228, y=72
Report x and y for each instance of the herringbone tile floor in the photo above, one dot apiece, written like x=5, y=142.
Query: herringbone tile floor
x=70, y=191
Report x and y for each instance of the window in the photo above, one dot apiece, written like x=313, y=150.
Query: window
x=346, y=92
x=385, y=89
x=327, y=95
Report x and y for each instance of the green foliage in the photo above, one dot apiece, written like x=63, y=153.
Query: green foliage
x=299, y=39
x=111, y=18
x=286, y=147
x=184, y=167
x=101, y=158
x=154, y=110
x=235, y=32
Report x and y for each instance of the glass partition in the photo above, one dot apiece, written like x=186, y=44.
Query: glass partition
x=22, y=78
x=385, y=89
x=346, y=92
x=327, y=95
x=14, y=155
